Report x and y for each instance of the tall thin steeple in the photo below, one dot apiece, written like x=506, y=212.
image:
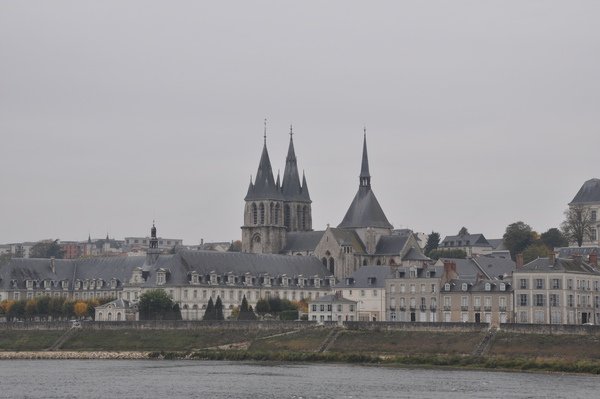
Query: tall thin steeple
x=290, y=186
x=365, y=211
x=264, y=186
x=365, y=176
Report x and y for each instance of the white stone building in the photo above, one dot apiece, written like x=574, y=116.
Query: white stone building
x=332, y=308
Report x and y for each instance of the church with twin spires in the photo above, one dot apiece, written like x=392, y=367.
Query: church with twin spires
x=278, y=220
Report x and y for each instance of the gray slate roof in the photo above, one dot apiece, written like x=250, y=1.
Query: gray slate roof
x=361, y=277
x=567, y=252
x=495, y=266
x=301, y=241
x=264, y=186
x=560, y=265
x=365, y=211
x=117, y=303
x=415, y=254
x=391, y=245
x=497, y=244
x=178, y=266
x=589, y=192
x=474, y=240
x=477, y=286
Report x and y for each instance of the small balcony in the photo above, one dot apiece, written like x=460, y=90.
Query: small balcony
x=447, y=308
x=464, y=308
x=502, y=308
x=392, y=307
x=477, y=308
x=487, y=308
x=402, y=308
x=413, y=308
x=433, y=308
x=423, y=308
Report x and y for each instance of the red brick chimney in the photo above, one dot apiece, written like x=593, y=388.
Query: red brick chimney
x=450, y=270
x=519, y=261
x=593, y=259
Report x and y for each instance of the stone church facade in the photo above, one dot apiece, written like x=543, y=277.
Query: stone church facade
x=278, y=220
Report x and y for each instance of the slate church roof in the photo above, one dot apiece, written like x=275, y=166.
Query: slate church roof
x=365, y=211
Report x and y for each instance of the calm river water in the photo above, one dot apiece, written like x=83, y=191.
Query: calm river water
x=188, y=379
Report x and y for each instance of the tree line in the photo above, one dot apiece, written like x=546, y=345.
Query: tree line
x=46, y=308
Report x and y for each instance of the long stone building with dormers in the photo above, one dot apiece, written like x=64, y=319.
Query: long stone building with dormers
x=190, y=278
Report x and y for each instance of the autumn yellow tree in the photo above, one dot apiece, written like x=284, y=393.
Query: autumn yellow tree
x=31, y=308
x=81, y=309
x=6, y=305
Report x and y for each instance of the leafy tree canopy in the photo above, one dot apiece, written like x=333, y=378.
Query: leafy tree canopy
x=433, y=242
x=554, y=238
x=46, y=249
x=517, y=237
x=536, y=250
x=156, y=304
x=463, y=231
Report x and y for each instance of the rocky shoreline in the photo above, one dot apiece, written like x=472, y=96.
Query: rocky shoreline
x=72, y=355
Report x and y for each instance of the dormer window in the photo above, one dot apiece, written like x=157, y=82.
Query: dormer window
x=464, y=286
x=447, y=287
x=213, y=278
x=502, y=287
x=29, y=284
x=160, y=278
x=488, y=287
x=195, y=278
x=428, y=274
x=349, y=281
x=413, y=273
x=317, y=282
x=371, y=280
x=114, y=283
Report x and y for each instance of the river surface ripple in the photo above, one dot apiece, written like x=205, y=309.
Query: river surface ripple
x=203, y=379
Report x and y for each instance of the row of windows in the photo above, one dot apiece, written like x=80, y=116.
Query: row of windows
x=330, y=307
x=554, y=300
x=259, y=215
x=412, y=288
x=557, y=283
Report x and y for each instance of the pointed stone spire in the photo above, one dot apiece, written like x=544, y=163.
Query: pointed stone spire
x=305, y=192
x=264, y=184
x=278, y=182
x=365, y=176
x=291, y=188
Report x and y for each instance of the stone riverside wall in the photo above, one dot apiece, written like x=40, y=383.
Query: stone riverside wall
x=164, y=325
x=417, y=326
x=297, y=325
x=551, y=329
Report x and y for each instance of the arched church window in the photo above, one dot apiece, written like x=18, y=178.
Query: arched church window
x=277, y=210
x=287, y=216
x=254, y=214
x=271, y=213
x=324, y=261
x=364, y=262
x=305, y=218
x=378, y=262
x=299, y=217
x=331, y=266
x=262, y=213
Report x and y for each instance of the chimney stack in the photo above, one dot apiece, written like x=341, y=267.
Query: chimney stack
x=52, y=265
x=552, y=257
x=450, y=270
x=520, y=262
x=593, y=259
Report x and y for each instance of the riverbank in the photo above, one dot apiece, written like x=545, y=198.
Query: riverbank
x=446, y=361
x=471, y=347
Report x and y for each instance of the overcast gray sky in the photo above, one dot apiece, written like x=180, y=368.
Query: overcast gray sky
x=114, y=113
